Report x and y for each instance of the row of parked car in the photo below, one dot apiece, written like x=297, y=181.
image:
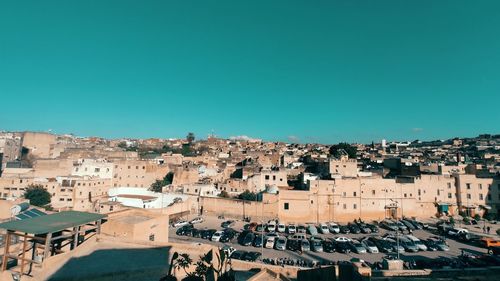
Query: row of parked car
x=403, y=224
x=323, y=228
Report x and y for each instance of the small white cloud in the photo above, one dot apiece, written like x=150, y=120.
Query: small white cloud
x=416, y=130
x=293, y=139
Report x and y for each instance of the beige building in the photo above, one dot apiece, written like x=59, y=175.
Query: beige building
x=344, y=167
x=39, y=144
x=135, y=225
x=137, y=173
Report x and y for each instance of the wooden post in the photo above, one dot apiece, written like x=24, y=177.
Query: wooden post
x=48, y=243
x=6, y=251
x=23, y=254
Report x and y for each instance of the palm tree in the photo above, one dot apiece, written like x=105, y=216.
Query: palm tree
x=184, y=262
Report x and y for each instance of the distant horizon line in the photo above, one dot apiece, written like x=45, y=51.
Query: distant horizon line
x=241, y=137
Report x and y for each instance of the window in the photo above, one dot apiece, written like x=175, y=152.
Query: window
x=449, y=185
x=468, y=196
x=481, y=196
x=312, y=202
x=345, y=206
x=267, y=177
x=354, y=194
x=152, y=237
x=343, y=194
x=419, y=192
x=438, y=193
x=354, y=206
x=468, y=185
x=405, y=195
x=449, y=195
x=480, y=186
x=286, y=206
x=373, y=192
x=274, y=178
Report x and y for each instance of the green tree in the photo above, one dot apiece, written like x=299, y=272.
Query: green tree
x=336, y=150
x=248, y=196
x=158, y=185
x=184, y=261
x=37, y=194
x=224, y=194
x=190, y=137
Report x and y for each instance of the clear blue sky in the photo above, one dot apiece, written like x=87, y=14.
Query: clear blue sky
x=316, y=71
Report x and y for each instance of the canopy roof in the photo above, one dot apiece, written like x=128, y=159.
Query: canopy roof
x=52, y=223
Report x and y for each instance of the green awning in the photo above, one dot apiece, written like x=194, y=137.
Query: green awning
x=443, y=208
x=52, y=223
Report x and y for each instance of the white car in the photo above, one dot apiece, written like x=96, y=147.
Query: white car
x=323, y=228
x=281, y=227
x=333, y=227
x=271, y=226
x=370, y=246
x=217, y=235
x=180, y=223
x=270, y=242
x=196, y=220
x=292, y=229
x=342, y=239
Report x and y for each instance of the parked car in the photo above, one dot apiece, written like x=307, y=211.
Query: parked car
x=401, y=226
x=431, y=245
x=344, y=229
x=382, y=245
x=328, y=246
x=455, y=232
x=246, y=238
x=370, y=246
x=207, y=234
x=311, y=229
x=196, y=233
x=395, y=246
x=408, y=245
x=196, y=220
x=259, y=228
x=270, y=242
x=291, y=229
x=250, y=226
x=238, y=254
x=217, y=235
x=301, y=229
x=280, y=243
x=439, y=243
x=281, y=228
x=227, y=235
x=258, y=241
x=494, y=250
x=487, y=242
x=342, y=239
x=271, y=226
x=389, y=225
x=357, y=247
x=421, y=246
x=408, y=224
x=354, y=228
x=323, y=228
x=364, y=228
x=305, y=245
x=373, y=228
x=293, y=244
x=316, y=244
x=180, y=223
x=342, y=247
x=227, y=224
x=183, y=230
x=298, y=236
x=251, y=256
x=333, y=227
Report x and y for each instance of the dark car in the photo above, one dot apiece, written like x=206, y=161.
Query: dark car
x=344, y=229
x=238, y=254
x=382, y=245
x=259, y=228
x=207, y=233
x=258, y=241
x=342, y=247
x=184, y=230
x=364, y=228
x=293, y=245
x=354, y=228
x=246, y=238
x=228, y=235
x=431, y=245
x=494, y=250
x=227, y=224
x=301, y=229
x=373, y=227
x=251, y=256
x=328, y=246
x=196, y=233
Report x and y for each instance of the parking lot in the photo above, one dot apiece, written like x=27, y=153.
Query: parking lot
x=456, y=248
